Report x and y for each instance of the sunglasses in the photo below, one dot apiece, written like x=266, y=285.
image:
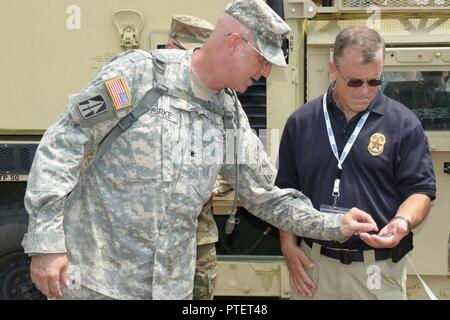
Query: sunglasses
x=356, y=83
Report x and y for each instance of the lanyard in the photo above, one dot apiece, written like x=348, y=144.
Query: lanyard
x=347, y=147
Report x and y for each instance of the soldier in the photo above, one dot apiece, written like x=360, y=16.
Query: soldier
x=188, y=32
x=162, y=124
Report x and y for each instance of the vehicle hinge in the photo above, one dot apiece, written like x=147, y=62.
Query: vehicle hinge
x=129, y=24
x=298, y=9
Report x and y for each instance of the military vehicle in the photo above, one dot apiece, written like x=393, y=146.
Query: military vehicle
x=59, y=45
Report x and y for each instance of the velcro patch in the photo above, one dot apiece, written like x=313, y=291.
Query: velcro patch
x=119, y=93
x=92, y=107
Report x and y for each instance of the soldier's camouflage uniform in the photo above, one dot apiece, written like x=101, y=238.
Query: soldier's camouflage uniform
x=189, y=32
x=129, y=222
x=206, y=264
x=207, y=235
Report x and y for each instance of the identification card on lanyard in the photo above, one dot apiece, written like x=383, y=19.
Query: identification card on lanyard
x=334, y=148
x=333, y=209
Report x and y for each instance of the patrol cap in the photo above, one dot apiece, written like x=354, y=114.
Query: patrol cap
x=267, y=26
x=189, y=31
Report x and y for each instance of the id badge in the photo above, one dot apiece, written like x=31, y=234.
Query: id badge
x=330, y=209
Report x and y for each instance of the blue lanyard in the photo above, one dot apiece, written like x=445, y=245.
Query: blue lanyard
x=347, y=147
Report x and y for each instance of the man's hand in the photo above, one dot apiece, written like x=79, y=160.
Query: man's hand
x=389, y=236
x=48, y=271
x=355, y=222
x=297, y=261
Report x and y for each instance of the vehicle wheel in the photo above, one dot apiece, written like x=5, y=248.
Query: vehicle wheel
x=15, y=281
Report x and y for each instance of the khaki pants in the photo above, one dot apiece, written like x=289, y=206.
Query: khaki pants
x=375, y=280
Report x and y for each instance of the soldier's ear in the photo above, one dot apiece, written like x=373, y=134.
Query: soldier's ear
x=232, y=42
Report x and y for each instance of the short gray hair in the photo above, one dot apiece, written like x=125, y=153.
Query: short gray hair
x=365, y=40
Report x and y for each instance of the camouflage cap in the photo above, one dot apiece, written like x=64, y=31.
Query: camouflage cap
x=268, y=27
x=189, y=31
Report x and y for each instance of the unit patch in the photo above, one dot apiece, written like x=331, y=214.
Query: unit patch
x=119, y=93
x=376, y=144
x=92, y=107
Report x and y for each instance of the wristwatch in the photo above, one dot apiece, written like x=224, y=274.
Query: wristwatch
x=408, y=222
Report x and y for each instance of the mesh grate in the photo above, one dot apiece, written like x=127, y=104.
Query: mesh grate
x=6, y=159
x=16, y=158
x=392, y=27
x=396, y=3
x=25, y=158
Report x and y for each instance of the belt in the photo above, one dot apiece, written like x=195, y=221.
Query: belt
x=346, y=256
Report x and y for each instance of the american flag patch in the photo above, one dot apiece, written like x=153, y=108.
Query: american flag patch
x=119, y=93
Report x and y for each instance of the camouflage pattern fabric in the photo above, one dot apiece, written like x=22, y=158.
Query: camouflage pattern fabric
x=207, y=235
x=205, y=272
x=222, y=187
x=268, y=28
x=81, y=293
x=129, y=222
x=207, y=231
x=189, y=31
x=206, y=264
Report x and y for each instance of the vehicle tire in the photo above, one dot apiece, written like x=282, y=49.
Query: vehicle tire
x=15, y=281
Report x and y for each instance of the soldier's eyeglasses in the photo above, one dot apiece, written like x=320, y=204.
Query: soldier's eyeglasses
x=356, y=83
x=265, y=62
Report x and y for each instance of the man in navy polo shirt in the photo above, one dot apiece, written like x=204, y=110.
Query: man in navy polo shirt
x=355, y=147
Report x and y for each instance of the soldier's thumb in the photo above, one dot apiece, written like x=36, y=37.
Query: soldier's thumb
x=366, y=222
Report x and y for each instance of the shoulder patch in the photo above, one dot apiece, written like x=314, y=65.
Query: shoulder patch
x=119, y=93
x=92, y=107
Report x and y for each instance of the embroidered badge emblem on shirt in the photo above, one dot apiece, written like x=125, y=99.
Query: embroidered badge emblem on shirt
x=92, y=107
x=119, y=93
x=376, y=144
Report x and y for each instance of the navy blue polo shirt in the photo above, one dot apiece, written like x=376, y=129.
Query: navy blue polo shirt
x=377, y=184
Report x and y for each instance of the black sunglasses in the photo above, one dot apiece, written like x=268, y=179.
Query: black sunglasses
x=356, y=83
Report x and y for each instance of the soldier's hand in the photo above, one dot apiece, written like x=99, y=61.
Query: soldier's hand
x=297, y=260
x=48, y=271
x=355, y=222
